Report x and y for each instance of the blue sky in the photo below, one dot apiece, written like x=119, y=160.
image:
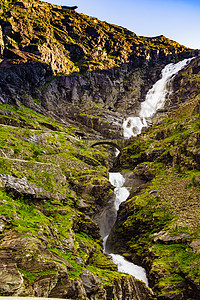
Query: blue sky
x=178, y=20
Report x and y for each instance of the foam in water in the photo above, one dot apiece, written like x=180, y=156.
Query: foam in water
x=121, y=194
x=129, y=268
x=132, y=126
x=155, y=99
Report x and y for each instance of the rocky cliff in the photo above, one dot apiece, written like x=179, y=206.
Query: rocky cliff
x=159, y=225
x=67, y=79
x=77, y=67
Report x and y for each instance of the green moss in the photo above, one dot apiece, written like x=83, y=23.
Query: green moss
x=32, y=276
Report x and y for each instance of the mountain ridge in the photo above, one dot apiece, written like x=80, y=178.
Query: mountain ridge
x=84, y=43
x=68, y=80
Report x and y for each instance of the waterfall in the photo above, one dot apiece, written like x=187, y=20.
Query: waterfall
x=121, y=194
x=155, y=99
x=132, y=126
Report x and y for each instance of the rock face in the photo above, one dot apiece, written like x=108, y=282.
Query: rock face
x=51, y=41
x=158, y=227
x=67, y=79
x=75, y=42
x=52, y=186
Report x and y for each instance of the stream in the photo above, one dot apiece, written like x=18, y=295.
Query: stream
x=132, y=126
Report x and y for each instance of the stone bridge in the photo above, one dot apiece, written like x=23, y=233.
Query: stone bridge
x=116, y=143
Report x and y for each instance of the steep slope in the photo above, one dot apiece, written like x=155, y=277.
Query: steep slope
x=108, y=68
x=159, y=225
x=52, y=185
x=67, y=80
x=70, y=42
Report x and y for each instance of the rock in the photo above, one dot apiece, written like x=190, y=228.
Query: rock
x=10, y=277
x=195, y=245
x=135, y=289
x=92, y=286
x=2, y=226
x=69, y=289
x=153, y=192
x=20, y=186
x=164, y=237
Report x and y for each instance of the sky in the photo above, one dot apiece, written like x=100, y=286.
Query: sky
x=178, y=20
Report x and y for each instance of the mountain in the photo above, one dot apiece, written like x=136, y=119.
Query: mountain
x=75, y=63
x=159, y=224
x=72, y=42
x=67, y=81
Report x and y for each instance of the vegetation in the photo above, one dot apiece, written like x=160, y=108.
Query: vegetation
x=66, y=79
x=160, y=222
x=59, y=167
x=74, y=38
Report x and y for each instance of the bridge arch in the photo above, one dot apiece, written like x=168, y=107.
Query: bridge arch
x=107, y=143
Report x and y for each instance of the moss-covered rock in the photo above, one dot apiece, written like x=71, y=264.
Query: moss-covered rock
x=158, y=226
x=52, y=186
x=66, y=79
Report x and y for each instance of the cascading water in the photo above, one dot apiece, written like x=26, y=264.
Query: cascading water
x=155, y=100
x=121, y=194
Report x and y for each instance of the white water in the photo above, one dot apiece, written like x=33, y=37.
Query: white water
x=132, y=126
x=121, y=194
x=155, y=99
x=129, y=268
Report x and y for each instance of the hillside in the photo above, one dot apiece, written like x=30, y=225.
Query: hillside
x=73, y=42
x=109, y=69
x=67, y=81
x=159, y=225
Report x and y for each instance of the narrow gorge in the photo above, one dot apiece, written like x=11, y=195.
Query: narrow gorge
x=155, y=99
x=78, y=219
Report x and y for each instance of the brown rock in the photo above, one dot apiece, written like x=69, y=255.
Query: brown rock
x=20, y=186
x=10, y=277
x=195, y=245
x=164, y=237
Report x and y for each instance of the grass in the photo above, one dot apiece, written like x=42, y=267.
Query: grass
x=60, y=164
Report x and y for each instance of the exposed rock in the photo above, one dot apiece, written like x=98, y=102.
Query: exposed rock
x=92, y=286
x=164, y=237
x=195, y=245
x=2, y=226
x=10, y=278
x=135, y=289
x=153, y=191
x=20, y=186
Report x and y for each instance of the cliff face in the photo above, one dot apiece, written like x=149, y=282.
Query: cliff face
x=41, y=44
x=52, y=184
x=67, y=79
x=159, y=225
x=70, y=42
